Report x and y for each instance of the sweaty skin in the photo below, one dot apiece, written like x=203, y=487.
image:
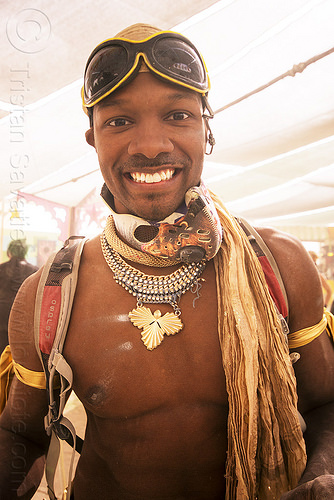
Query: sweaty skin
x=156, y=420
x=167, y=437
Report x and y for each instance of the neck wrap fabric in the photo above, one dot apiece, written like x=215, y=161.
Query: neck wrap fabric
x=191, y=234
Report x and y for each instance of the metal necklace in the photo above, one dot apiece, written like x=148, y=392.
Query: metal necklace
x=153, y=290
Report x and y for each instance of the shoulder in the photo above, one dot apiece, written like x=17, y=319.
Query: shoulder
x=92, y=256
x=300, y=277
x=32, y=268
x=21, y=324
x=21, y=321
x=93, y=246
x=286, y=248
x=5, y=265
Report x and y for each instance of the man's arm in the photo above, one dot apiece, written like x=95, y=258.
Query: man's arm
x=23, y=440
x=315, y=375
x=23, y=443
x=315, y=368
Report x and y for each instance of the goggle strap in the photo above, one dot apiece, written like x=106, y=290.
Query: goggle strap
x=208, y=107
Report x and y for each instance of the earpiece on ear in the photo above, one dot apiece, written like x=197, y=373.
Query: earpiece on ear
x=211, y=141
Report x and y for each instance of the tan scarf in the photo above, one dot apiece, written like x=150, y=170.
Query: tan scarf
x=266, y=452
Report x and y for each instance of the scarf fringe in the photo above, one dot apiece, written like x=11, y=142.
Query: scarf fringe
x=266, y=451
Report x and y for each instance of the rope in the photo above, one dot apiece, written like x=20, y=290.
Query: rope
x=296, y=68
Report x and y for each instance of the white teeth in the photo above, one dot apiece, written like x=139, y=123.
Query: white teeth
x=164, y=175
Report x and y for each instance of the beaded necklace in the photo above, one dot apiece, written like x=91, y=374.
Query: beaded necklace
x=154, y=290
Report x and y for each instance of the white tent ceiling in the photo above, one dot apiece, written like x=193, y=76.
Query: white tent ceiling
x=273, y=161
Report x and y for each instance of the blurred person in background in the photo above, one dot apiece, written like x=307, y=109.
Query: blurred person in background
x=12, y=274
x=327, y=290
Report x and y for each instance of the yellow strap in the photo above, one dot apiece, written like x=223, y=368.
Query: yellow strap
x=29, y=377
x=306, y=335
x=6, y=375
x=8, y=367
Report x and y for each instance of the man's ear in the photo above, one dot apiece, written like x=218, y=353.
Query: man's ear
x=90, y=137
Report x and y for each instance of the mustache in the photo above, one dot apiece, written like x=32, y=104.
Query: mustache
x=162, y=159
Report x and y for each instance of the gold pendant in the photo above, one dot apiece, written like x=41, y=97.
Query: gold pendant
x=154, y=325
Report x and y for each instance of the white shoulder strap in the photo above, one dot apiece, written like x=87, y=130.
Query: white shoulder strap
x=59, y=275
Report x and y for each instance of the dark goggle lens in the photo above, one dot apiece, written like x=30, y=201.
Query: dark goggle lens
x=169, y=56
x=180, y=60
x=104, y=71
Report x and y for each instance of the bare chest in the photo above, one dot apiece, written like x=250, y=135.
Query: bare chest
x=115, y=375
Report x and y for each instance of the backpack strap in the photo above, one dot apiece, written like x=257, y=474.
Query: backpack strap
x=54, y=300
x=271, y=272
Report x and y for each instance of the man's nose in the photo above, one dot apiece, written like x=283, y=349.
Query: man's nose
x=150, y=140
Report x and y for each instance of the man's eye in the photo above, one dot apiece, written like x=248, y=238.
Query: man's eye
x=178, y=115
x=119, y=122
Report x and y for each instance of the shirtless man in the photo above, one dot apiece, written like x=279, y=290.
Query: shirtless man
x=162, y=415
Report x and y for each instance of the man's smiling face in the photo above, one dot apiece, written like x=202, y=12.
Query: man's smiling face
x=150, y=141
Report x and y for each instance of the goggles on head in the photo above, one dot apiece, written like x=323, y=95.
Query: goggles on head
x=167, y=54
